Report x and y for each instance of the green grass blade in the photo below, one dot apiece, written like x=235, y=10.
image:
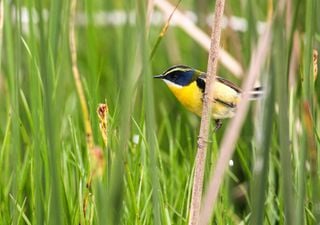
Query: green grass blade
x=261, y=160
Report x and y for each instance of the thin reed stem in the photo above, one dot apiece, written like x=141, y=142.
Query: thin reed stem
x=233, y=130
x=76, y=76
x=206, y=115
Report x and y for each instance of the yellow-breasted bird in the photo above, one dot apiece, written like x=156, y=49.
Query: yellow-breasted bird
x=188, y=85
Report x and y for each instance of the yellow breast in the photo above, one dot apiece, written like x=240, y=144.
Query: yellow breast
x=191, y=97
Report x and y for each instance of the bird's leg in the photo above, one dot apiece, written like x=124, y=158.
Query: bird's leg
x=218, y=125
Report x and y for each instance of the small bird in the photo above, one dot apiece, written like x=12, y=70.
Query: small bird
x=188, y=85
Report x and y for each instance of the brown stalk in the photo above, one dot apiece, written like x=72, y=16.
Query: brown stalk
x=82, y=98
x=206, y=115
x=77, y=79
x=96, y=157
x=233, y=130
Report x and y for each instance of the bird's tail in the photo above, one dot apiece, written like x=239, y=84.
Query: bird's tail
x=256, y=93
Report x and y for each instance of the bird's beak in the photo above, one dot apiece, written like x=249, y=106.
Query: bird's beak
x=161, y=76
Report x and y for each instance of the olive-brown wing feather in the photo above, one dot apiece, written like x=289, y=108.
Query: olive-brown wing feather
x=201, y=82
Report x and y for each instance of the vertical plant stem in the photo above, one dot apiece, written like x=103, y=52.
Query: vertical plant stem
x=96, y=160
x=13, y=62
x=36, y=106
x=233, y=130
x=206, y=115
x=128, y=72
x=77, y=79
x=149, y=109
x=47, y=65
x=263, y=134
x=308, y=149
x=280, y=57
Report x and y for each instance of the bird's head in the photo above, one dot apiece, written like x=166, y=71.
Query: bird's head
x=179, y=75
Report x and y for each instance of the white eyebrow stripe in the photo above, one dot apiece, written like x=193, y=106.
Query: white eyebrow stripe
x=177, y=69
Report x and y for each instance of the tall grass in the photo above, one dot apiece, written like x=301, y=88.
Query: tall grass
x=149, y=161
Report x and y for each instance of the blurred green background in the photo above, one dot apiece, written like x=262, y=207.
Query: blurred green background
x=149, y=160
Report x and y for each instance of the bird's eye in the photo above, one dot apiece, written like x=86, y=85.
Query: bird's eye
x=174, y=76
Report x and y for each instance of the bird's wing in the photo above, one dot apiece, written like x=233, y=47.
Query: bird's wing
x=225, y=99
x=201, y=82
x=229, y=84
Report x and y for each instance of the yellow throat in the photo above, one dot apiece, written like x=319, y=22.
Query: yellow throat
x=190, y=96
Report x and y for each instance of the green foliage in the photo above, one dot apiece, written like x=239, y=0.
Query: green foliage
x=152, y=139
